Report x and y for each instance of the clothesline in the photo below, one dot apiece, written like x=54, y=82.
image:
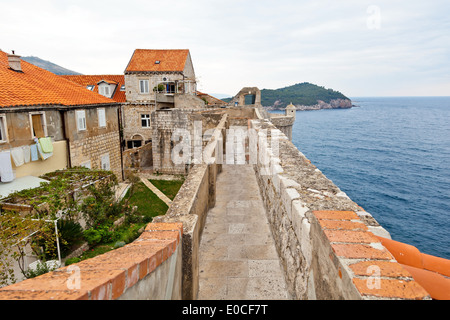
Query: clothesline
x=42, y=148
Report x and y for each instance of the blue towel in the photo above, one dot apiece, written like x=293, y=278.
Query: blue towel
x=34, y=152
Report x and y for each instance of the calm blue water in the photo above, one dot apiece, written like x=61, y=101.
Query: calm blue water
x=392, y=157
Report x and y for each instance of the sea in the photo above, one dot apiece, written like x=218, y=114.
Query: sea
x=390, y=155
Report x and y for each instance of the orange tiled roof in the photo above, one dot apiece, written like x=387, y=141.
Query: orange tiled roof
x=36, y=86
x=169, y=60
x=93, y=80
x=432, y=273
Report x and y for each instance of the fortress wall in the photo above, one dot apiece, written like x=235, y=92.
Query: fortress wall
x=327, y=244
x=190, y=206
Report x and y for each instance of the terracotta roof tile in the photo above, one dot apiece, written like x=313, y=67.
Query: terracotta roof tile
x=36, y=86
x=85, y=80
x=169, y=60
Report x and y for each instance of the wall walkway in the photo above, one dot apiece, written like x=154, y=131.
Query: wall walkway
x=238, y=259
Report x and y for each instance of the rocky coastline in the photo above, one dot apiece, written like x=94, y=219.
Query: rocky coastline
x=333, y=104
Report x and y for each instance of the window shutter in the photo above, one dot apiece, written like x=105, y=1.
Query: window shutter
x=101, y=118
x=81, y=119
x=38, y=130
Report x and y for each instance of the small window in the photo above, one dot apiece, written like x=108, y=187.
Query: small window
x=101, y=118
x=81, y=119
x=145, y=120
x=122, y=88
x=104, y=91
x=157, y=62
x=105, y=162
x=3, y=137
x=143, y=86
x=38, y=125
x=134, y=144
x=90, y=87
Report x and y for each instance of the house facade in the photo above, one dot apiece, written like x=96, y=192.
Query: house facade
x=49, y=123
x=156, y=80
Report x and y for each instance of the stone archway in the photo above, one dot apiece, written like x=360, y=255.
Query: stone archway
x=136, y=140
x=247, y=96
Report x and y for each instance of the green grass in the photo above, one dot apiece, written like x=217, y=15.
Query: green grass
x=168, y=187
x=148, y=203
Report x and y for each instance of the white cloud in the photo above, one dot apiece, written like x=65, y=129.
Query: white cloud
x=269, y=44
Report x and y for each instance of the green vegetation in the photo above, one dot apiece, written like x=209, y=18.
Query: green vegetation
x=168, y=187
x=304, y=93
x=94, y=201
x=148, y=203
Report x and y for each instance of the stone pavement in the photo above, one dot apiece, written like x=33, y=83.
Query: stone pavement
x=238, y=259
x=156, y=191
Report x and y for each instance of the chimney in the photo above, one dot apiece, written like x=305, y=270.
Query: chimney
x=14, y=62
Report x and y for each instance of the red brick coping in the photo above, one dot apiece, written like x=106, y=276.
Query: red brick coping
x=104, y=277
x=402, y=271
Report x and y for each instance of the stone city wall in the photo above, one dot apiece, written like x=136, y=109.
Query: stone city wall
x=329, y=246
x=190, y=206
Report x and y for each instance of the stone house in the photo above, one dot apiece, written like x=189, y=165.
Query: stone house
x=156, y=80
x=80, y=127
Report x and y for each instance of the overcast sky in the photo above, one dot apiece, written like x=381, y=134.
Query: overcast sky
x=361, y=48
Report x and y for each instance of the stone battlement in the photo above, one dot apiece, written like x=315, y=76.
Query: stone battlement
x=329, y=247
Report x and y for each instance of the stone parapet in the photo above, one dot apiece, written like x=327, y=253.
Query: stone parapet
x=148, y=268
x=328, y=245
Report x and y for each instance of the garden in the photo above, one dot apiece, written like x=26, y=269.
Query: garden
x=76, y=210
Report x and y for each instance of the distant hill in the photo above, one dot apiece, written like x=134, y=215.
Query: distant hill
x=306, y=94
x=49, y=66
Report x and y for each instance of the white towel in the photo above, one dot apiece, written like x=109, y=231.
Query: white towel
x=26, y=153
x=6, y=171
x=17, y=155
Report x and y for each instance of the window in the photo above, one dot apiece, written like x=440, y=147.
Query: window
x=105, y=162
x=101, y=118
x=81, y=119
x=143, y=86
x=38, y=124
x=122, y=88
x=145, y=120
x=104, y=91
x=90, y=87
x=3, y=137
x=134, y=144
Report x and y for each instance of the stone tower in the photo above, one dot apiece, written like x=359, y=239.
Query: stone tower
x=290, y=110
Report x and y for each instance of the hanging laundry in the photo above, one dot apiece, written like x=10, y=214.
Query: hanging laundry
x=6, y=171
x=34, y=152
x=26, y=153
x=44, y=155
x=17, y=155
x=46, y=144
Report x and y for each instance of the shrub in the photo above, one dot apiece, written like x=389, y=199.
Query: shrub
x=72, y=233
x=72, y=261
x=119, y=244
x=97, y=235
x=41, y=268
